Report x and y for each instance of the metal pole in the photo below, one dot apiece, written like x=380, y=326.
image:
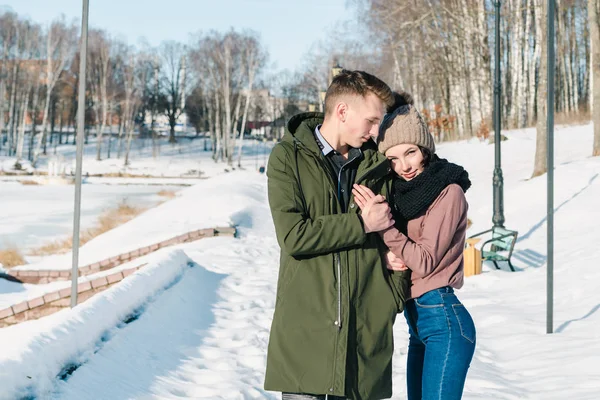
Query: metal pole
x=79, y=158
x=498, y=180
x=550, y=174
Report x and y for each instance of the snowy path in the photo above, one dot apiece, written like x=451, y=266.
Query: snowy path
x=204, y=338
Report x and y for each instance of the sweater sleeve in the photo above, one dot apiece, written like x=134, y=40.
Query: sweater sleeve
x=443, y=218
x=296, y=233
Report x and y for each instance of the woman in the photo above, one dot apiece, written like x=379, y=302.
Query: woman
x=430, y=214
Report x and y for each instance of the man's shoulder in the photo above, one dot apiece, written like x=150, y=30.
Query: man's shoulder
x=282, y=149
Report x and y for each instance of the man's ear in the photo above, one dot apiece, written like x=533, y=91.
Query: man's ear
x=341, y=111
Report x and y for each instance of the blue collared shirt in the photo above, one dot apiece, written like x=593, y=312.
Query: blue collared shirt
x=343, y=170
x=323, y=144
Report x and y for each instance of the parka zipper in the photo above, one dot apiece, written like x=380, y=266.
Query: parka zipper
x=338, y=322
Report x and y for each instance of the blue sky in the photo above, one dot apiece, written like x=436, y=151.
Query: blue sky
x=287, y=28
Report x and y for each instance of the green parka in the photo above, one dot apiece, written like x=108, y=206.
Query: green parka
x=336, y=300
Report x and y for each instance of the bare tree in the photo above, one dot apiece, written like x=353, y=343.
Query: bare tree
x=540, y=166
x=254, y=57
x=594, y=22
x=173, y=70
x=100, y=72
x=27, y=44
x=60, y=47
x=7, y=40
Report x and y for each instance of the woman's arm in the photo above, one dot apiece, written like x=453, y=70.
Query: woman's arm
x=444, y=217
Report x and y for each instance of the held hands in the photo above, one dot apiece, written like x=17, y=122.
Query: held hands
x=376, y=213
x=394, y=263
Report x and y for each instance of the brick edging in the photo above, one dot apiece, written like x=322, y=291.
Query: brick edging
x=57, y=300
x=46, y=276
x=60, y=299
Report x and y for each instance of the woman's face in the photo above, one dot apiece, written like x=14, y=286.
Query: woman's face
x=406, y=159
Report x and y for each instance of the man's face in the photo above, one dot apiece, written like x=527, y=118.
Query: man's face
x=361, y=120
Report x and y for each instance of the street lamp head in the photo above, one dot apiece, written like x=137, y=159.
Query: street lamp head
x=335, y=70
x=322, y=95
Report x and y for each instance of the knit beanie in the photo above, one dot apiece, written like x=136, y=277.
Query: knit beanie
x=404, y=125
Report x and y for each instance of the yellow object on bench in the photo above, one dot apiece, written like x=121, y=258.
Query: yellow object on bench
x=472, y=258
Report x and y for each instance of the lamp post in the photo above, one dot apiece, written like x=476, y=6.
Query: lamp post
x=322, y=95
x=335, y=70
x=550, y=173
x=79, y=154
x=498, y=180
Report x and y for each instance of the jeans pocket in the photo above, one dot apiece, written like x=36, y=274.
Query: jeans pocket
x=431, y=299
x=465, y=322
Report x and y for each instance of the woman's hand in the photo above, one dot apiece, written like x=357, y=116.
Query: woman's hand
x=376, y=213
x=394, y=263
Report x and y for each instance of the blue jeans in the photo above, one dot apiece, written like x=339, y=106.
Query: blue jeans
x=441, y=345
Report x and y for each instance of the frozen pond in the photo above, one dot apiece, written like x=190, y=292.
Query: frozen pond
x=33, y=215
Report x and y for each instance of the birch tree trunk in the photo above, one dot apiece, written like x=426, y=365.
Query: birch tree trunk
x=34, y=104
x=218, y=130
x=120, y=136
x=12, y=110
x=21, y=134
x=60, y=39
x=533, y=62
x=594, y=22
x=540, y=165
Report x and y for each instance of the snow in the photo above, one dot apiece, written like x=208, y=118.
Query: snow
x=72, y=337
x=202, y=330
x=185, y=159
x=47, y=213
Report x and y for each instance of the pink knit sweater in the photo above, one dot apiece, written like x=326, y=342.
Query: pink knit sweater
x=434, y=247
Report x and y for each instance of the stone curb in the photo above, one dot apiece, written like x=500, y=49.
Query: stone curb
x=46, y=276
x=54, y=301
x=13, y=314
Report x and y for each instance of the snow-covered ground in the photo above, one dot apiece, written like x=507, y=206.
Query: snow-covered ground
x=202, y=310
x=33, y=215
x=190, y=157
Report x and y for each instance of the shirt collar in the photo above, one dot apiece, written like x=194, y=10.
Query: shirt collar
x=323, y=145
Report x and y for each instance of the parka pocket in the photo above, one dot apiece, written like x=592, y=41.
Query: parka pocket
x=400, y=285
x=287, y=274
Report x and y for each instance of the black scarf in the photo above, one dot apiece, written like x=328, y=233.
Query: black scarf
x=410, y=198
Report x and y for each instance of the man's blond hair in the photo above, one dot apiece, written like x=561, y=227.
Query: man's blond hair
x=356, y=83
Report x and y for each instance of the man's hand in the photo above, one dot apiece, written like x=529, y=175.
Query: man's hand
x=376, y=213
x=394, y=263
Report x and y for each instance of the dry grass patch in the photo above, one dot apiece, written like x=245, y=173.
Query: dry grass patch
x=56, y=247
x=110, y=219
x=116, y=216
x=170, y=194
x=29, y=182
x=580, y=118
x=11, y=257
x=120, y=175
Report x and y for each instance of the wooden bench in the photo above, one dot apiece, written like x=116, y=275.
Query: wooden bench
x=500, y=246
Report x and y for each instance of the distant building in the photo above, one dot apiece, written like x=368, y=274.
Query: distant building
x=265, y=114
x=161, y=124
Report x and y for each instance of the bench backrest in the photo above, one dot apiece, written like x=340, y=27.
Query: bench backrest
x=504, y=243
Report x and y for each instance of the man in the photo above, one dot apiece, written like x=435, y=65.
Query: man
x=336, y=301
